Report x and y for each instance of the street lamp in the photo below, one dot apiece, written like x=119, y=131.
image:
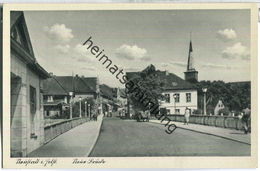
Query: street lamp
x=80, y=107
x=174, y=96
x=205, y=91
x=86, y=108
x=89, y=110
x=149, y=105
x=71, y=96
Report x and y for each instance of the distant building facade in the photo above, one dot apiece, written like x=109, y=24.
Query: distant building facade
x=55, y=98
x=218, y=107
x=178, y=99
x=27, y=120
x=121, y=100
x=107, y=99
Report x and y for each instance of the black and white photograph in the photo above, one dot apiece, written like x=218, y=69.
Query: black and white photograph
x=95, y=84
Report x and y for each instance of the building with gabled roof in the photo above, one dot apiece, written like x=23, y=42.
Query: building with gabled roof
x=106, y=92
x=55, y=98
x=220, y=105
x=27, y=120
x=57, y=89
x=80, y=86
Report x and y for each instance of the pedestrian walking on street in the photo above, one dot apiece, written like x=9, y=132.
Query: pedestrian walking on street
x=187, y=116
x=246, y=120
x=95, y=117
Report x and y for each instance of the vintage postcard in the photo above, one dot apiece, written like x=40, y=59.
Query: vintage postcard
x=130, y=85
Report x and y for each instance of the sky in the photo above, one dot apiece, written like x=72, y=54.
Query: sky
x=135, y=39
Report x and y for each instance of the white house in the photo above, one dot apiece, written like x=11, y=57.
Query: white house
x=181, y=93
x=218, y=107
x=178, y=100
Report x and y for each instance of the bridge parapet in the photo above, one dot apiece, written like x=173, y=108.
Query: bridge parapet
x=51, y=131
x=217, y=121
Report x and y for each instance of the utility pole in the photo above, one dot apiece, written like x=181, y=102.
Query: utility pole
x=80, y=107
x=71, y=96
x=205, y=108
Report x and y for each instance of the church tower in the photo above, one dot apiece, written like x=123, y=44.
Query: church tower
x=191, y=75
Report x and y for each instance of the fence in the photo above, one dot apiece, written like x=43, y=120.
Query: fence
x=53, y=130
x=217, y=121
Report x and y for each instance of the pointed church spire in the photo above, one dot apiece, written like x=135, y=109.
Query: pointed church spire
x=190, y=57
x=191, y=74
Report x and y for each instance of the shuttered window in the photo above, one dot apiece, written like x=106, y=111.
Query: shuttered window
x=32, y=109
x=32, y=99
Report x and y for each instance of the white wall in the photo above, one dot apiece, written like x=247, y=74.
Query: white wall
x=34, y=80
x=182, y=104
x=21, y=141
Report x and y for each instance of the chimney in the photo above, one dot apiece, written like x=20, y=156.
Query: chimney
x=166, y=72
x=51, y=74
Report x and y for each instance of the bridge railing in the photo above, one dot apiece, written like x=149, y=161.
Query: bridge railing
x=55, y=129
x=217, y=121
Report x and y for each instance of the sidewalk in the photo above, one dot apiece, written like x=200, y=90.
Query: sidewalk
x=77, y=142
x=230, y=134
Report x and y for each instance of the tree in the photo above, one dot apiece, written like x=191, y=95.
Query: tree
x=235, y=96
x=148, y=88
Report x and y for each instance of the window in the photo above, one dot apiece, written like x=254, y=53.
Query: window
x=50, y=99
x=177, y=97
x=32, y=108
x=168, y=111
x=40, y=100
x=167, y=98
x=177, y=111
x=188, y=97
x=32, y=99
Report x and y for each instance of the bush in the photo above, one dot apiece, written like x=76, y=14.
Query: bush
x=225, y=111
x=198, y=112
x=65, y=114
x=210, y=109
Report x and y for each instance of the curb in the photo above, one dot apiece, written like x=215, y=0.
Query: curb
x=96, y=138
x=208, y=134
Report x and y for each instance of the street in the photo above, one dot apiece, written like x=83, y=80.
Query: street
x=128, y=138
